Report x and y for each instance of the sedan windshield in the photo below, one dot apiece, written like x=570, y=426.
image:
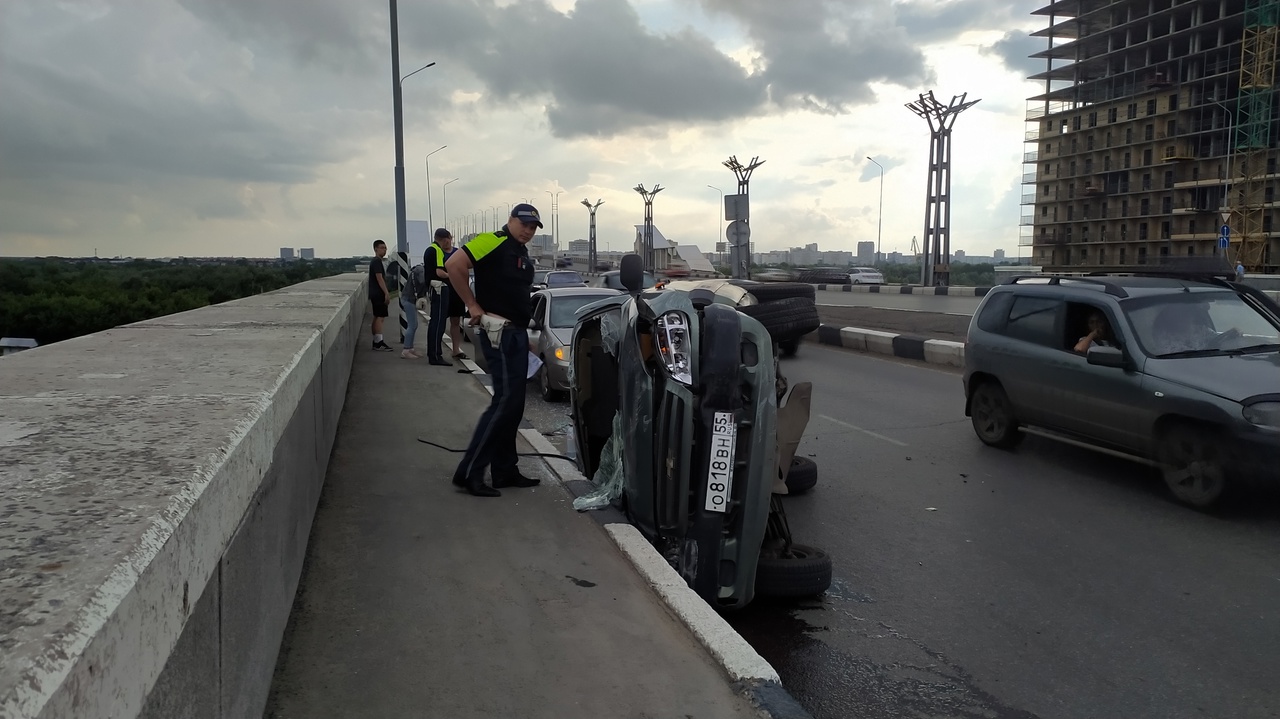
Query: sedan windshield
x=1200, y=323
x=564, y=309
x=563, y=279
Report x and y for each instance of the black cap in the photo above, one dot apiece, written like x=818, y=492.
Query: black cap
x=526, y=213
x=442, y=233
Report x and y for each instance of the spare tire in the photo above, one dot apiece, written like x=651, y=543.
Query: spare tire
x=802, y=476
x=786, y=319
x=806, y=572
x=774, y=291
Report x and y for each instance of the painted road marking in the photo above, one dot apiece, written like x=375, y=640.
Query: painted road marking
x=867, y=432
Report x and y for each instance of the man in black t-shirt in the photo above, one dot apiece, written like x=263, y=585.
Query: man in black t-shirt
x=379, y=295
x=504, y=277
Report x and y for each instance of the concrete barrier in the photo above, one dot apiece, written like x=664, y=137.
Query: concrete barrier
x=893, y=344
x=159, y=482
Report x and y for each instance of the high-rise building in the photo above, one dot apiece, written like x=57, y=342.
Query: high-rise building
x=866, y=253
x=1155, y=129
x=308, y=253
x=998, y=255
x=286, y=253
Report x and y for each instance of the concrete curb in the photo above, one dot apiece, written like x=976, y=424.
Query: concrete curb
x=923, y=349
x=750, y=674
x=907, y=290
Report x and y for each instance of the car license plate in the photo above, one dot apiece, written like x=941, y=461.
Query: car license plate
x=724, y=440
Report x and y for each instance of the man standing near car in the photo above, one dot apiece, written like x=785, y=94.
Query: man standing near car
x=379, y=295
x=500, y=305
x=433, y=261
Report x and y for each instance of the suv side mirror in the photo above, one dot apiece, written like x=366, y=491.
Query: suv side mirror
x=1106, y=356
x=631, y=273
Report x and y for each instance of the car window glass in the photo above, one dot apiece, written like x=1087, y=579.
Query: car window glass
x=995, y=312
x=1035, y=319
x=564, y=278
x=564, y=310
x=1079, y=326
x=1199, y=321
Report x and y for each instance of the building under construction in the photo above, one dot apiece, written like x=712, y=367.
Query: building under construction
x=1156, y=129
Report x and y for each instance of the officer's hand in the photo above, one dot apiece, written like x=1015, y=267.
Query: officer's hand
x=386, y=298
x=476, y=311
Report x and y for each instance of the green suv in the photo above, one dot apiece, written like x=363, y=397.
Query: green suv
x=1178, y=370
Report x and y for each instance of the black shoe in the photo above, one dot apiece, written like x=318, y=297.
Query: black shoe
x=516, y=480
x=440, y=361
x=459, y=481
x=382, y=347
x=479, y=489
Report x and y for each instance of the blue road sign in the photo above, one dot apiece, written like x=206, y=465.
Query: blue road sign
x=1226, y=231
x=1223, y=242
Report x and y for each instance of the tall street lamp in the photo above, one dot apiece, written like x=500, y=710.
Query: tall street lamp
x=430, y=221
x=880, y=219
x=716, y=237
x=444, y=189
x=591, y=241
x=555, y=219
x=496, y=226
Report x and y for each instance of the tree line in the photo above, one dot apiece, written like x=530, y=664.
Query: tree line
x=52, y=299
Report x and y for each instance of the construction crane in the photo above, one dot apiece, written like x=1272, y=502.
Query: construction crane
x=1253, y=128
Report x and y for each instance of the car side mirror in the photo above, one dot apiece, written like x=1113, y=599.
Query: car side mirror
x=631, y=273
x=1106, y=356
x=535, y=325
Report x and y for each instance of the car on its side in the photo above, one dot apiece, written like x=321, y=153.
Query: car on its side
x=555, y=314
x=1186, y=376
x=865, y=276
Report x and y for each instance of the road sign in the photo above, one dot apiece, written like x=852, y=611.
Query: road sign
x=735, y=208
x=1226, y=215
x=1224, y=242
x=738, y=233
x=1226, y=231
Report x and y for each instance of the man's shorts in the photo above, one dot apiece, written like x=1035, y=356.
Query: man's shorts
x=379, y=307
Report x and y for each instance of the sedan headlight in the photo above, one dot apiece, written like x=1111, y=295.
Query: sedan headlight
x=673, y=346
x=1266, y=414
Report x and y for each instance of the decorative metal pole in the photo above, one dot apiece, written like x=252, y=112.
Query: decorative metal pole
x=591, y=237
x=648, y=196
x=935, y=267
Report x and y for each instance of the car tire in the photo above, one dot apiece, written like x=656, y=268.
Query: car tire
x=1191, y=464
x=788, y=348
x=775, y=291
x=548, y=393
x=992, y=415
x=787, y=319
x=802, y=477
x=805, y=573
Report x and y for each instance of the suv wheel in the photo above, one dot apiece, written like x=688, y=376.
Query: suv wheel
x=1192, y=465
x=992, y=414
x=788, y=348
x=802, y=476
x=786, y=319
x=804, y=572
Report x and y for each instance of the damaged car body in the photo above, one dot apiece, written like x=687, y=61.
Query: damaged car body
x=675, y=400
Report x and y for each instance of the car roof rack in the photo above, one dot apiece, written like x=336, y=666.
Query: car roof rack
x=1111, y=288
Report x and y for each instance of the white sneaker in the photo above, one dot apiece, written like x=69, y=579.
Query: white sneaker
x=409, y=354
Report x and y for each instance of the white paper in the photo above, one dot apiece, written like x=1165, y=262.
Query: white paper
x=534, y=364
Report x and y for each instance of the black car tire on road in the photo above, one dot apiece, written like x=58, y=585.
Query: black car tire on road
x=802, y=477
x=544, y=386
x=992, y=415
x=1191, y=462
x=788, y=348
x=806, y=573
x=774, y=291
x=788, y=319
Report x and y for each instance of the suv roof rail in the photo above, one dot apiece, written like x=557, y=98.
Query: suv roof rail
x=1111, y=288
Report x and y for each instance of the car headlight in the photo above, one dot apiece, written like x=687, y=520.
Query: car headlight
x=673, y=346
x=1266, y=414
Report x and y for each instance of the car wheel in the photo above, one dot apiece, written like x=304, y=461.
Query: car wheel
x=992, y=414
x=856, y=282
x=785, y=319
x=802, y=477
x=775, y=291
x=548, y=393
x=1191, y=462
x=788, y=348
x=805, y=572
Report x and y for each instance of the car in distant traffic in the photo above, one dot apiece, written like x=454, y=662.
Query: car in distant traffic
x=564, y=262
x=1176, y=369
x=555, y=313
x=548, y=279
x=613, y=280
x=865, y=276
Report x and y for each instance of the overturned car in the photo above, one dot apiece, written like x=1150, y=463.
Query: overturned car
x=675, y=403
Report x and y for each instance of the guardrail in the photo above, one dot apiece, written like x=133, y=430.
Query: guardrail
x=160, y=480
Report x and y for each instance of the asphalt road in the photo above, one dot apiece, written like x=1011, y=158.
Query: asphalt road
x=972, y=582
x=920, y=303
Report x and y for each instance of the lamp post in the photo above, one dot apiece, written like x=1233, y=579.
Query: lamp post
x=880, y=218
x=716, y=237
x=430, y=221
x=591, y=237
x=496, y=226
x=648, y=195
x=555, y=218
x=445, y=190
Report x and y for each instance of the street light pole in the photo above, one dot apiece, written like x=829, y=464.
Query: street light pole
x=716, y=237
x=880, y=218
x=555, y=218
x=445, y=190
x=591, y=238
x=430, y=221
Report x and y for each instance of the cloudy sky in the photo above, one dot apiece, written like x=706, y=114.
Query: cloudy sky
x=157, y=128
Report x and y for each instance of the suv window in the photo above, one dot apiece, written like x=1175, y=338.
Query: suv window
x=1035, y=319
x=996, y=312
x=1199, y=322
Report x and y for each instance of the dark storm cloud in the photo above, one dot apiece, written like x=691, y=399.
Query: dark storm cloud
x=932, y=21
x=1015, y=50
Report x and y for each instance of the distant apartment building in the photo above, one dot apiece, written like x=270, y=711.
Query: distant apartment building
x=308, y=253
x=286, y=253
x=1156, y=128
x=580, y=248
x=998, y=256
x=866, y=253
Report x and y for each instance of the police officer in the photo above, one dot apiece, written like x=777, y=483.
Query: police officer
x=501, y=307
x=433, y=262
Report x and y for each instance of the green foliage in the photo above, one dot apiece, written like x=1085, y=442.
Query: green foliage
x=55, y=299
x=962, y=275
